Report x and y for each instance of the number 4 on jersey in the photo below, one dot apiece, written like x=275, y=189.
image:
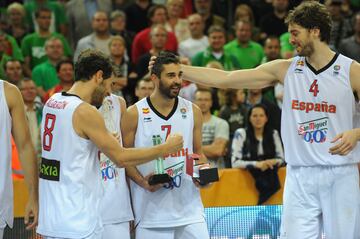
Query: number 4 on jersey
x=314, y=88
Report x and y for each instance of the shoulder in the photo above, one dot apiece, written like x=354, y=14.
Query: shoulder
x=219, y=121
x=240, y=133
x=12, y=94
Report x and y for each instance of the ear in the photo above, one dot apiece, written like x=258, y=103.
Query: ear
x=315, y=32
x=99, y=76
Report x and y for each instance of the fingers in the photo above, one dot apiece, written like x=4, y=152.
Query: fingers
x=343, y=148
x=337, y=137
x=31, y=225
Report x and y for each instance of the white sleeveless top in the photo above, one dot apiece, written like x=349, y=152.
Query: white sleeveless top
x=317, y=106
x=175, y=204
x=115, y=202
x=69, y=185
x=6, y=186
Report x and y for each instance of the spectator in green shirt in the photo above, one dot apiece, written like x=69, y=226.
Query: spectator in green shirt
x=287, y=50
x=45, y=75
x=215, y=51
x=3, y=56
x=32, y=45
x=247, y=52
x=58, y=16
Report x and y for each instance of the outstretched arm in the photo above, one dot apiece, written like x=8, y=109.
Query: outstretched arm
x=262, y=76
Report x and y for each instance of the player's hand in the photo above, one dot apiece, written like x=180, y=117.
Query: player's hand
x=151, y=188
x=174, y=143
x=198, y=185
x=31, y=213
x=263, y=165
x=346, y=141
x=151, y=63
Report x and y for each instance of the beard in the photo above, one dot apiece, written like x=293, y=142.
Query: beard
x=98, y=96
x=167, y=91
x=307, y=50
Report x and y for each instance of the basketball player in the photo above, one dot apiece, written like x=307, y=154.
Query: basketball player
x=173, y=210
x=322, y=182
x=73, y=132
x=13, y=122
x=116, y=211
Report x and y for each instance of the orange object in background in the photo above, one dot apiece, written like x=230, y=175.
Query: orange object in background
x=17, y=171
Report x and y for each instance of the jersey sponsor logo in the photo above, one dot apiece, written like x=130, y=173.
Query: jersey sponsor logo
x=108, y=170
x=337, y=69
x=50, y=169
x=311, y=106
x=51, y=103
x=300, y=63
x=145, y=110
x=183, y=113
x=314, y=131
x=175, y=172
x=298, y=70
x=181, y=153
x=147, y=119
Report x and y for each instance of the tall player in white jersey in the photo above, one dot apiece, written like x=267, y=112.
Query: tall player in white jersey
x=173, y=210
x=322, y=182
x=116, y=211
x=13, y=122
x=72, y=132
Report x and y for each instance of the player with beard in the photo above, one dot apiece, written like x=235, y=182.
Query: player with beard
x=173, y=210
x=322, y=181
x=72, y=132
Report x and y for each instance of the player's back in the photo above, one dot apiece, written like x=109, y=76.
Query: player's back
x=69, y=186
x=6, y=188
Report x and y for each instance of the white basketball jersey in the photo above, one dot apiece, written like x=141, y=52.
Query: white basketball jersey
x=6, y=186
x=69, y=185
x=178, y=203
x=115, y=203
x=317, y=106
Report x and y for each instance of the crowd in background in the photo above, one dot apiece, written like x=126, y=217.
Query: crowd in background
x=41, y=39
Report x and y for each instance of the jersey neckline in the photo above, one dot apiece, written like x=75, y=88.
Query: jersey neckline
x=158, y=113
x=316, y=72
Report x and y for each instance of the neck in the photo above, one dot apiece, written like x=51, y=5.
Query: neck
x=173, y=21
x=102, y=35
x=83, y=89
x=243, y=44
x=197, y=36
x=280, y=15
x=66, y=85
x=155, y=51
x=29, y=105
x=259, y=133
x=117, y=59
x=253, y=99
x=161, y=102
x=54, y=61
x=44, y=33
x=321, y=56
x=207, y=116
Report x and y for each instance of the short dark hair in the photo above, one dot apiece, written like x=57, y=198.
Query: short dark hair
x=40, y=10
x=164, y=58
x=153, y=9
x=63, y=62
x=312, y=15
x=89, y=62
x=11, y=60
x=216, y=28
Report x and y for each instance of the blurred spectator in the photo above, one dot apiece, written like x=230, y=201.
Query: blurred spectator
x=3, y=56
x=341, y=27
x=13, y=71
x=203, y=7
x=144, y=88
x=136, y=14
x=247, y=52
x=197, y=42
x=287, y=50
x=188, y=90
x=80, y=14
x=244, y=12
x=174, y=23
x=215, y=131
x=142, y=44
x=33, y=110
x=11, y=48
x=215, y=52
x=255, y=97
x=44, y=74
x=121, y=4
x=65, y=73
x=32, y=45
x=274, y=22
x=272, y=52
x=58, y=21
x=118, y=27
x=17, y=26
x=120, y=64
x=234, y=112
x=350, y=47
x=158, y=39
x=258, y=148
x=99, y=38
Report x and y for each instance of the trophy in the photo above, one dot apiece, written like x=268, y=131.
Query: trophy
x=160, y=176
x=201, y=172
